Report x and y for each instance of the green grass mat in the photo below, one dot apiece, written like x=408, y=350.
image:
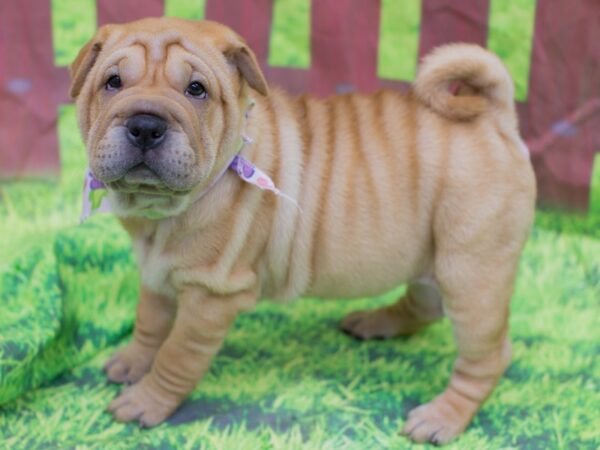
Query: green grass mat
x=287, y=378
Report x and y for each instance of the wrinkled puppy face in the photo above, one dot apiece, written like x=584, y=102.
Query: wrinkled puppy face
x=160, y=105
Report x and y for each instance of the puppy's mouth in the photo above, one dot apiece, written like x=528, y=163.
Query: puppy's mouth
x=141, y=179
x=165, y=168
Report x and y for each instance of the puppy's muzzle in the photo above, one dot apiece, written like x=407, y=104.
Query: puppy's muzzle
x=146, y=131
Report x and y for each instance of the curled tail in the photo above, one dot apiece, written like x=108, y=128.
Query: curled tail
x=484, y=83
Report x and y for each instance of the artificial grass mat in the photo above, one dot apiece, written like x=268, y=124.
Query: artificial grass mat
x=286, y=377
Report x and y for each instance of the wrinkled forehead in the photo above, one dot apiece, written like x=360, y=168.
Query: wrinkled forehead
x=155, y=43
x=177, y=54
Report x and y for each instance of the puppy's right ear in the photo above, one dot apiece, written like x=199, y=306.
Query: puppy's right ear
x=85, y=60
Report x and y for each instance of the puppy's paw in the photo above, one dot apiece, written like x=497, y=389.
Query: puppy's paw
x=129, y=364
x=144, y=403
x=382, y=323
x=440, y=420
x=368, y=325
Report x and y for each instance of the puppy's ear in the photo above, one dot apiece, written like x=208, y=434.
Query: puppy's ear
x=243, y=58
x=85, y=60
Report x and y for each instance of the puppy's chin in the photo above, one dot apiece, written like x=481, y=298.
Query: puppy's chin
x=142, y=180
x=142, y=175
x=149, y=205
x=141, y=193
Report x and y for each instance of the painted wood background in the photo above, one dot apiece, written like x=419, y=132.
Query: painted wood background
x=551, y=47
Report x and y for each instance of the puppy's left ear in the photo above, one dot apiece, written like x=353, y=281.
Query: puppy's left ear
x=245, y=61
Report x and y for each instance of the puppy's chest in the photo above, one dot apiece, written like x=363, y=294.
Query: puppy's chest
x=155, y=267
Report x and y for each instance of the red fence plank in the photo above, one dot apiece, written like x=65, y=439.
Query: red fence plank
x=121, y=11
x=445, y=21
x=249, y=18
x=345, y=35
x=565, y=74
x=30, y=90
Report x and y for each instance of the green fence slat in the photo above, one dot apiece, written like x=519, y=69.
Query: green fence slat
x=186, y=9
x=289, y=44
x=595, y=187
x=399, y=39
x=510, y=36
x=73, y=24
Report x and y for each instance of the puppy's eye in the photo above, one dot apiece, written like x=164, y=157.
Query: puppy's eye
x=195, y=89
x=113, y=83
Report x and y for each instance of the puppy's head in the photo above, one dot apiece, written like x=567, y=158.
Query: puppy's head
x=161, y=104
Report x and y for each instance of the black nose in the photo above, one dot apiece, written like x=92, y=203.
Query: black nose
x=146, y=131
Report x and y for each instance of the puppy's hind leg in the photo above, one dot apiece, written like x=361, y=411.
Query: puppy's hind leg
x=475, y=267
x=420, y=306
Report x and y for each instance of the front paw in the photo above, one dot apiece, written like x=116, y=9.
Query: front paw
x=143, y=402
x=129, y=364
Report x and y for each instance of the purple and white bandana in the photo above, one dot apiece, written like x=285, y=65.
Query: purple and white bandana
x=94, y=190
x=253, y=175
x=94, y=196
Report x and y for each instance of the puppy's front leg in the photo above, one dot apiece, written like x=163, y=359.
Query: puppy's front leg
x=200, y=326
x=153, y=322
